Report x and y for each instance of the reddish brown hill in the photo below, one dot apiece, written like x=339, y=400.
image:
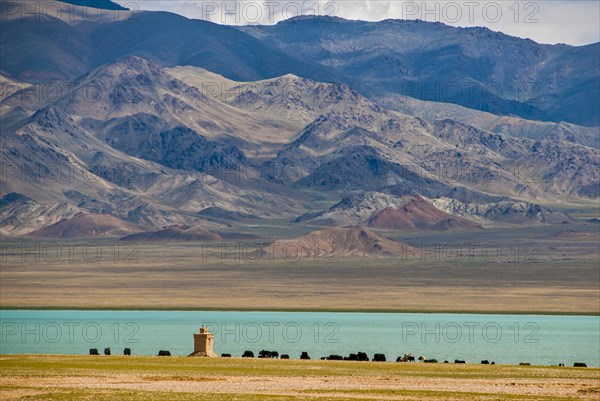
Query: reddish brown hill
x=418, y=213
x=84, y=225
x=340, y=242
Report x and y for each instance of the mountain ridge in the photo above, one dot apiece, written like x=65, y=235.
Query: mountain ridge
x=146, y=146
x=535, y=83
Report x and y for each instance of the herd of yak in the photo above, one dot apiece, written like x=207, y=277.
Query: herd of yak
x=359, y=356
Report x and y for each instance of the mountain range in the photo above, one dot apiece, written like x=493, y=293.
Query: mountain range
x=198, y=131
x=472, y=67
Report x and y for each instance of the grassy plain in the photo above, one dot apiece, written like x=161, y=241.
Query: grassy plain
x=68, y=377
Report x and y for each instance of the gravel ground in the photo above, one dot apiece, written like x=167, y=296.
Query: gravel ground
x=315, y=380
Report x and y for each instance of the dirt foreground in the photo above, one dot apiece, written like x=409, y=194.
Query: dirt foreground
x=67, y=377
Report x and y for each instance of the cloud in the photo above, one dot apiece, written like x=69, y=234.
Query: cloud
x=548, y=21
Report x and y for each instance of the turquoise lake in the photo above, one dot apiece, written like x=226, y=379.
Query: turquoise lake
x=507, y=339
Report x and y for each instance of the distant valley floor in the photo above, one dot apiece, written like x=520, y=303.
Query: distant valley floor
x=544, y=269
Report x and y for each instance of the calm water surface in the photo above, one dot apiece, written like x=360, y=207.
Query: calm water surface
x=507, y=339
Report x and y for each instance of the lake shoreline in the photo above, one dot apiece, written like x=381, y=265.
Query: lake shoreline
x=296, y=359
x=300, y=310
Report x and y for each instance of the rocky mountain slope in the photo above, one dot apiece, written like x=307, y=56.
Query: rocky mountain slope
x=473, y=67
x=505, y=211
x=86, y=225
x=65, y=44
x=100, y=155
x=384, y=211
x=101, y=137
x=154, y=151
x=408, y=212
x=19, y=214
x=508, y=125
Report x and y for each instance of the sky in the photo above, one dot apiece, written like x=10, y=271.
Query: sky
x=575, y=22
